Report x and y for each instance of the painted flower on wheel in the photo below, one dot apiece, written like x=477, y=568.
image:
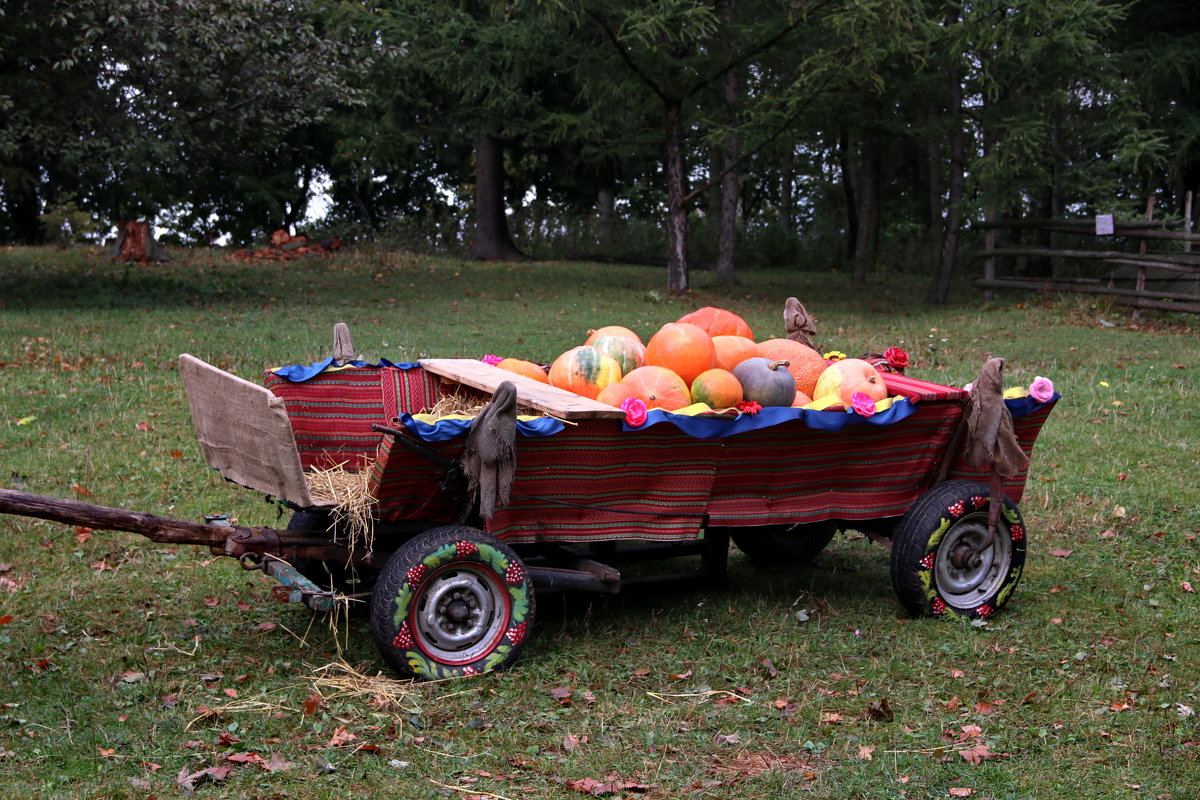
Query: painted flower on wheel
x=635, y=411
x=514, y=573
x=403, y=638
x=862, y=403
x=516, y=634
x=464, y=549
x=1042, y=389
x=416, y=574
x=895, y=358
x=939, y=605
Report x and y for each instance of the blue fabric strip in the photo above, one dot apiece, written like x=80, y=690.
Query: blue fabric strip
x=1020, y=406
x=702, y=427
x=446, y=429
x=298, y=373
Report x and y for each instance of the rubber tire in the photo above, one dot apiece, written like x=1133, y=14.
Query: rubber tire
x=924, y=577
x=327, y=574
x=415, y=638
x=775, y=545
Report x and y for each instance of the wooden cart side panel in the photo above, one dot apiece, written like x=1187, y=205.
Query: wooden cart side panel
x=790, y=473
x=594, y=482
x=243, y=431
x=409, y=487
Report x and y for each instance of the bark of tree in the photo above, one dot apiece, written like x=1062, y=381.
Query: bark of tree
x=787, y=179
x=868, y=209
x=677, y=266
x=849, y=180
x=22, y=204
x=492, y=240
x=135, y=242
x=606, y=215
x=939, y=290
x=730, y=182
x=932, y=206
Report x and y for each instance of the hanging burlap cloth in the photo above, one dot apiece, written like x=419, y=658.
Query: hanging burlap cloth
x=991, y=440
x=489, y=457
x=798, y=324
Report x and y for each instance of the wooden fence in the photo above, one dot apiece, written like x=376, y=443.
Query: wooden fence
x=1138, y=263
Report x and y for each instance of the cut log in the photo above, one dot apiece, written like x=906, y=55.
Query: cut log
x=136, y=243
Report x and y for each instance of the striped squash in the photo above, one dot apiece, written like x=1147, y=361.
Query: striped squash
x=584, y=370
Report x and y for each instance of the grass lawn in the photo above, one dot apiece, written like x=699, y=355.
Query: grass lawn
x=136, y=670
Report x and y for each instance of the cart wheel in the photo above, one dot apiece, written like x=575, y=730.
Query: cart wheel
x=327, y=574
x=771, y=545
x=452, y=601
x=943, y=524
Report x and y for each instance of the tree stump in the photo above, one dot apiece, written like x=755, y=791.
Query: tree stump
x=134, y=242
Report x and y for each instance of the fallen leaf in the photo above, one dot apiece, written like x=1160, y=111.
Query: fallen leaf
x=727, y=739
x=1059, y=553
x=562, y=694
x=212, y=602
x=830, y=717
x=769, y=666
x=107, y=752
x=1187, y=587
x=572, y=741
x=277, y=763
x=866, y=753
x=341, y=737
x=265, y=627
x=246, y=758
x=976, y=754
x=187, y=781
x=957, y=673
x=143, y=426
x=313, y=704
x=681, y=676
x=958, y=791
x=7, y=618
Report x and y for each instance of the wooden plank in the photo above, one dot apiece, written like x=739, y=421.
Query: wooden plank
x=1186, y=268
x=1057, y=286
x=1141, y=302
x=549, y=399
x=1096, y=254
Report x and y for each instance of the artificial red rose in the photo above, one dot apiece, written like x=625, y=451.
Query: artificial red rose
x=896, y=358
x=635, y=411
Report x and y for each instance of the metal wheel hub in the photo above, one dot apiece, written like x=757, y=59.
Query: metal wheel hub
x=966, y=576
x=460, y=613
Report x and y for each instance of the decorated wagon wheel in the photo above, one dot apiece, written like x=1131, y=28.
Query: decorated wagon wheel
x=452, y=601
x=937, y=563
x=770, y=545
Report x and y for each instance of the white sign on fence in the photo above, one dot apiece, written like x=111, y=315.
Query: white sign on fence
x=1104, y=224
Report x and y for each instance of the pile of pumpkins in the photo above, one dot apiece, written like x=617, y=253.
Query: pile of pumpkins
x=708, y=356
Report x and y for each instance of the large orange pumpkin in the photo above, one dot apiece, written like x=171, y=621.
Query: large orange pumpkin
x=842, y=379
x=584, y=370
x=718, y=388
x=682, y=348
x=718, y=322
x=805, y=364
x=733, y=350
x=658, y=387
x=526, y=368
x=612, y=330
x=628, y=352
x=614, y=394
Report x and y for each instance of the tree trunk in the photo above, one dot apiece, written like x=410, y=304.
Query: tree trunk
x=787, y=178
x=868, y=210
x=677, y=266
x=606, y=215
x=23, y=211
x=729, y=192
x=492, y=240
x=939, y=291
x=135, y=242
x=849, y=180
x=933, y=194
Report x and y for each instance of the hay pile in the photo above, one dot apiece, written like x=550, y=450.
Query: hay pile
x=348, y=493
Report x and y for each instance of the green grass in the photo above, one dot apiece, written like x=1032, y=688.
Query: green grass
x=127, y=664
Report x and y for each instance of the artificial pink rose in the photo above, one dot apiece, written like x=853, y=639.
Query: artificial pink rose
x=490, y=359
x=1042, y=389
x=862, y=403
x=635, y=411
x=896, y=358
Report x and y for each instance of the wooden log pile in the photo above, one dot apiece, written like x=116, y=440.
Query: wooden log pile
x=286, y=247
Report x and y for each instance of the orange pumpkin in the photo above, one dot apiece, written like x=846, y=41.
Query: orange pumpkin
x=718, y=388
x=614, y=394
x=842, y=379
x=628, y=352
x=733, y=350
x=801, y=400
x=526, y=368
x=682, y=348
x=612, y=330
x=718, y=322
x=805, y=364
x=584, y=370
x=658, y=387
